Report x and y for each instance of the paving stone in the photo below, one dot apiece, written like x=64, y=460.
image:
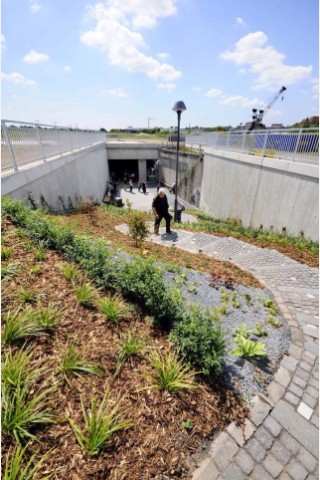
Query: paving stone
x=236, y=433
x=296, y=390
x=302, y=373
x=275, y=391
x=284, y=476
x=305, y=410
x=272, y=466
x=259, y=473
x=297, y=426
x=273, y=426
x=289, y=362
x=299, y=381
x=206, y=471
x=233, y=471
x=292, y=398
x=281, y=452
x=290, y=443
x=223, y=450
x=245, y=461
x=312, y=391
x=315, y=420
x=297, y=471
x=307, y=460
x=283, y=377
x=305, y=366
x=259, y=410
x=255, y=449
x=295, y=351
x=312, y=347
x=310, y=401
x=264, y=437
x=311, y=331
x=308, y=357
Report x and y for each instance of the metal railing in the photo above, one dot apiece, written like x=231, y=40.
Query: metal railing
x=298, y=145
x=25, y=143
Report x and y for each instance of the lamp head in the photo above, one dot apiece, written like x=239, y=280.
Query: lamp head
x=179, y=107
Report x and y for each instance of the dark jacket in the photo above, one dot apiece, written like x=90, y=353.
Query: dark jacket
x=161, y=205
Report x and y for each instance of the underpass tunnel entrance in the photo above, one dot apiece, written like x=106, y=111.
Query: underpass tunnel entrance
x=123, y=168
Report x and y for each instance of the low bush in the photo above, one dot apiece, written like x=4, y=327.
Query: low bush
x=199, y=340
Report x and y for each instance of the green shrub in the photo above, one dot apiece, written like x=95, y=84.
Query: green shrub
x=199, y=340
x=138, y=228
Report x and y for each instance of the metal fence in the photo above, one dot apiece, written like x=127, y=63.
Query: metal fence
x=299, y=145
x=24, y=143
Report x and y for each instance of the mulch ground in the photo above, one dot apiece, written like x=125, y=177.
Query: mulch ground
x=156, y=446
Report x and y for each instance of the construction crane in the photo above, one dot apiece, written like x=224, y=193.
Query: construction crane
x=257, y=115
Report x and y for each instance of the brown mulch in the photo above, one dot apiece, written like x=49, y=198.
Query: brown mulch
x=156, y=446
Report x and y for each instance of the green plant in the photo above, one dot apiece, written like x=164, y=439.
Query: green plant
x=36, y=270
x=40, y=254
x=113, y=308
x=275, y=322
x=17, y=468
x=69, y=270
x=259, y=331
x=28, y=296
x=187, y=425
x=6, y=252
x=171, y=373
x=200, y=341
x=138, y=228
x=17, y=368
x=243, y=331
x=247, y=348
x=21, y=324
x=71, y=362
x=85, y=293
x=23, y=410
x=270, y=305
x=100, y=424
x=248, y=298
x=9, y=270
x=47, y=317
x=130, y=346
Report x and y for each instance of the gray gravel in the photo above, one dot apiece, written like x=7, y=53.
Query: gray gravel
x=247, y=377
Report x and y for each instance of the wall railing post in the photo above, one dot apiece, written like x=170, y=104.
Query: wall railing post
x=8, y=142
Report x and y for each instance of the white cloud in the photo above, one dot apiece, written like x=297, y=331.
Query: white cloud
x=239, y=100
x=167, y=86
x=315, y=88
x=213, y=92
x=115, y=33
x=34, y=6
x=240, y=21
x=66, y=68
x=115, y=92
x=17, y=79
x=3, y=41
x=163, y=55
x=35, y=57
x=266, y=62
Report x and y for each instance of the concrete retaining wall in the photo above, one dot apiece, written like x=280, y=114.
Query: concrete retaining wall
x=80, y=175
x=276, y=194
x=190, y=169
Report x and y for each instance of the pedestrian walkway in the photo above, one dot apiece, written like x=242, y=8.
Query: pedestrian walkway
x=280, y=439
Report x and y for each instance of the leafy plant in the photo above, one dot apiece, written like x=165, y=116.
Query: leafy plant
x=243, y=331
x=36, y=270
x=70, y=271
x=85, y=293
x=100, y=424
x=22, y=410
x=71, y=362
x=28, y=296
x=16, y=468
x=20, y=325
x=130, y=346
x=187, y=424
x=138, y=228
x=113, y=308
x=40, y=254
x=6, y=252
x=9, y=270
x=259, y=331
x=247, y=348
x=47, y=317
x=270, y=305
x=200, y=341
x=171, y=373
x=275, y=322
x=18, y=369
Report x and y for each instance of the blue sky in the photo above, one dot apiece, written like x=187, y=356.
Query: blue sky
x=120, y=63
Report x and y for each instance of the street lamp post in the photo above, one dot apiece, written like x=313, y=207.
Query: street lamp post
x=178, y=107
